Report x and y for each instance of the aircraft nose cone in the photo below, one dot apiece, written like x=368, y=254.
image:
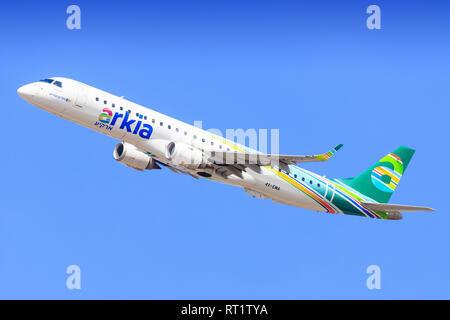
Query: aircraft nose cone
x=26, y=91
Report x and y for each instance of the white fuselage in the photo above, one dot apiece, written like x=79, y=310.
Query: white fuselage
x=151, y=131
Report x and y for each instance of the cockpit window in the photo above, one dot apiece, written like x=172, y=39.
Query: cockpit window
x=50, y=81
x=46, y=80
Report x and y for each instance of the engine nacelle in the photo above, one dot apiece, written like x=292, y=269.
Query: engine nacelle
x=185, y=155
x=132, y=157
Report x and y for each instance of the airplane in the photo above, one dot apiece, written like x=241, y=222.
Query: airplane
x=150, y=140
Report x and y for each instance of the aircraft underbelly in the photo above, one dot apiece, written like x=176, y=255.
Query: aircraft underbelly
x=280, y=190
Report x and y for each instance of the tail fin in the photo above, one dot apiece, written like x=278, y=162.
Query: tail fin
x=380, y=180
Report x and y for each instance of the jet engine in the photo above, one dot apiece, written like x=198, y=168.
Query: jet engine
x=185, y=155
x=132, y=157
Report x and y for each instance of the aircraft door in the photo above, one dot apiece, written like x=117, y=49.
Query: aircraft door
x=329, y=192
x=82, y=96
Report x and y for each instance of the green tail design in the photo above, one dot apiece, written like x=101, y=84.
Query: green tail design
x=380, y=180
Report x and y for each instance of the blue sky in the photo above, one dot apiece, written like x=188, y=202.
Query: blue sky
x=312, y=70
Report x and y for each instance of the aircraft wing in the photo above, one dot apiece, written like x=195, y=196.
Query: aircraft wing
x=176, y=169
x=267, y=159
x=386, y=207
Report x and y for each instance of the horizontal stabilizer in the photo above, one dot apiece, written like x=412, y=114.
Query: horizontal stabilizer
x=386, y=207
x=267, y=159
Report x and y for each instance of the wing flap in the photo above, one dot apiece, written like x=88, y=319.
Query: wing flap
x=267, y=159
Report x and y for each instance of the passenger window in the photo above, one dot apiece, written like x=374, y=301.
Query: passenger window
x=310, y=181
x=113, y=105
x=195, y=137
x=177, y=130
x=318, y=185
x=303, y=179
x=161, y=124
x=153, y=120
x=169, y=127
x=212, y=143
x=96, y=99
x=185, y=133
x=203, y=139
x=295, y=176
x=104, y=102
x=121, y=108
x=145, y=117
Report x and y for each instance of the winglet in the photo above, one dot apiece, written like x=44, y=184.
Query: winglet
x=329, y=154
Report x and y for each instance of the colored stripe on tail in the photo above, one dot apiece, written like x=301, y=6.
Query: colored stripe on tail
x=381, y=179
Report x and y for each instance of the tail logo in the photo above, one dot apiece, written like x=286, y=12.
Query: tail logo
x=386, y=179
